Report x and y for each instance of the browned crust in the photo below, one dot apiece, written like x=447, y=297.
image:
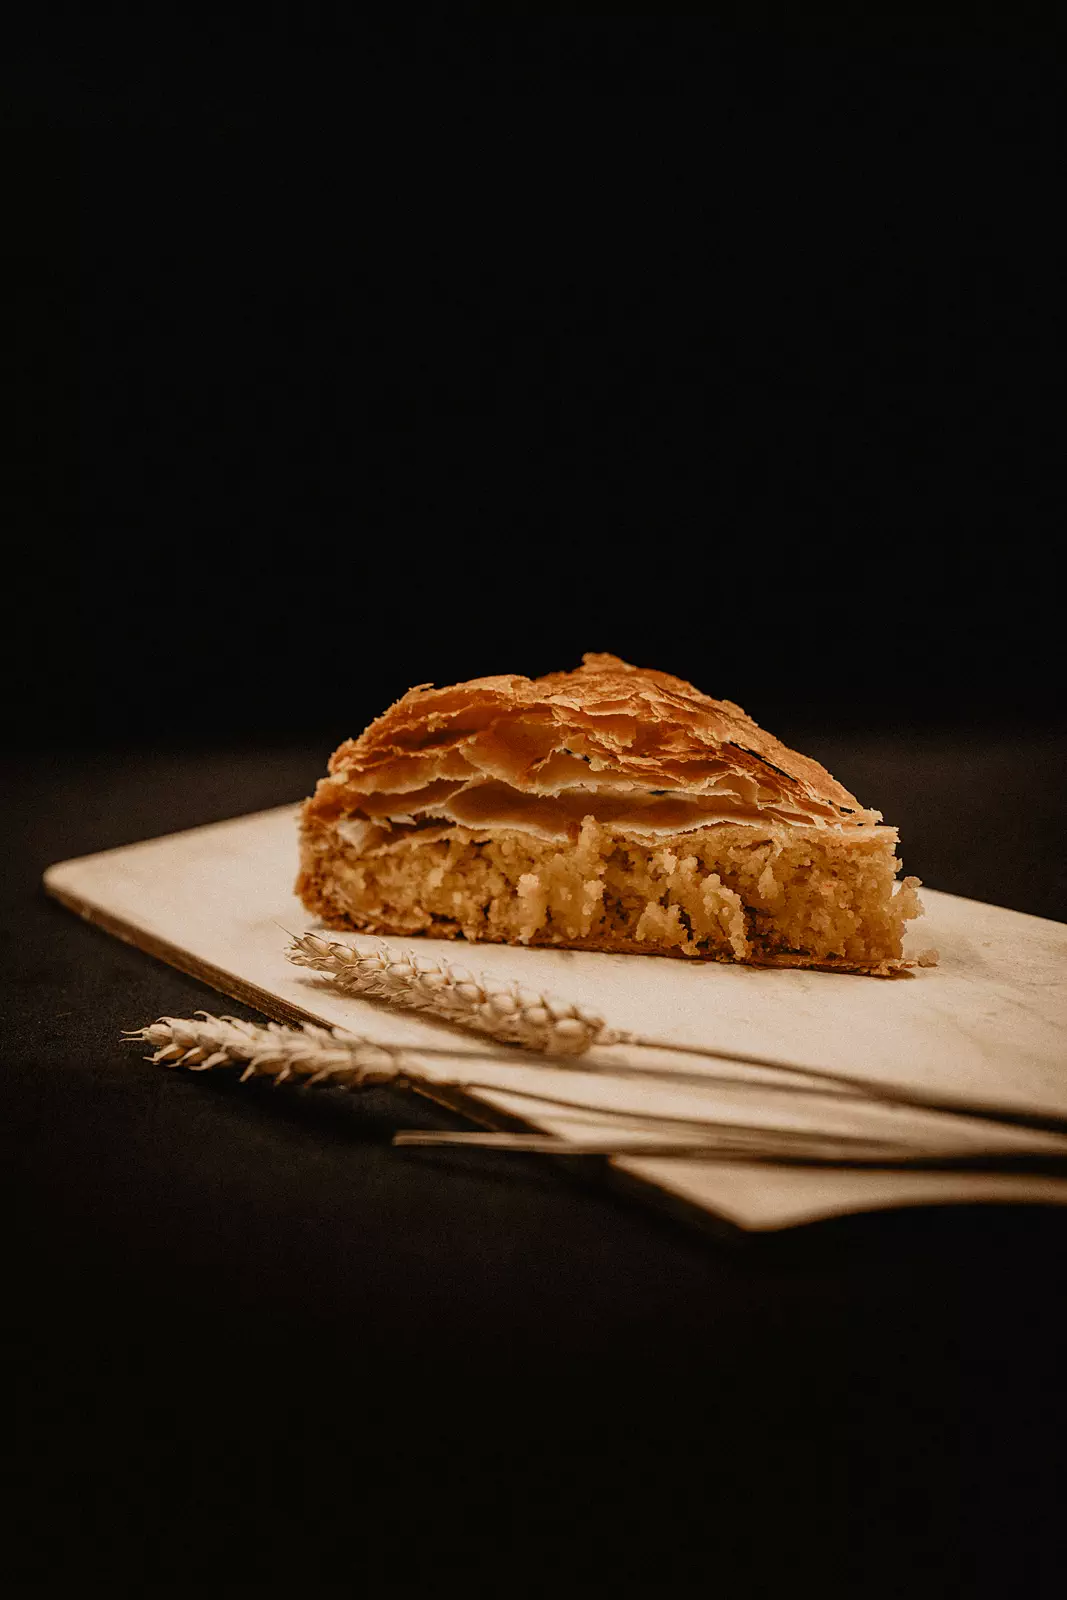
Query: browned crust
x=633, y=722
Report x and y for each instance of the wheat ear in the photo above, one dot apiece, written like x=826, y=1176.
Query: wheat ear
x=312, y=1054
x=504, y=1011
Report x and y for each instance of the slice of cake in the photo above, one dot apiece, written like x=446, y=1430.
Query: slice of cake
x=610, y=808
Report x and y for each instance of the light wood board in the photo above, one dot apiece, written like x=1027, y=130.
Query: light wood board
x=989, y=1022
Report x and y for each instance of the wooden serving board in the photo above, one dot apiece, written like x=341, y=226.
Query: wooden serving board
x=990, y=1022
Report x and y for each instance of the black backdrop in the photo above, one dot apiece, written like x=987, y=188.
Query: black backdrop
x=464, y=353
x=511, y=341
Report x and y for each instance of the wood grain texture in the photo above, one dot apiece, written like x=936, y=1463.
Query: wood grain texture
x=989, y=1022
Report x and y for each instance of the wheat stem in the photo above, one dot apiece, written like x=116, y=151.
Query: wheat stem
x=517, y=1015
x=875, y=1157
x=318, y=1055
x=313, y=1054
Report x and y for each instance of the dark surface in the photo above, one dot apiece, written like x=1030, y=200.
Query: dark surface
x=249, y=1339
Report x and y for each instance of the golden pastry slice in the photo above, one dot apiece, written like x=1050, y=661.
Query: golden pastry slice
x=610, y=808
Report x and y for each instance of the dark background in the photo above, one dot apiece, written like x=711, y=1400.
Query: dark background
x=731, y=358
x=339, y=370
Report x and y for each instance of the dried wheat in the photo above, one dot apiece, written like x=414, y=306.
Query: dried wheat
x=311, y=1054
x=504, y=1011
x=516, y=1015
x=771, y=1150
x=318, y=1055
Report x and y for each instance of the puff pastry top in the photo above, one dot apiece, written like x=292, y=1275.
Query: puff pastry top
x=638, y=749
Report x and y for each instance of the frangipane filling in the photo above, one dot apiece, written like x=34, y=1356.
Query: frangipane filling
x=737, y=891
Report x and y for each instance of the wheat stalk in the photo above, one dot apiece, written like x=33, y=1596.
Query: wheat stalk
x=517, y=1015
x=317, y=1055
x=312, y=1054
x=860, y=1155
x=504, y=1011
x=330, y=1056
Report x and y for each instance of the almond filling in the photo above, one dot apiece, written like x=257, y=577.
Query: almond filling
x=784, y=894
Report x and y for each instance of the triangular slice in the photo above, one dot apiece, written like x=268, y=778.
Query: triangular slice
x=610, y=808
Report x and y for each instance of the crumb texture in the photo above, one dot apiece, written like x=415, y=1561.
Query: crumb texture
x=778, y=895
